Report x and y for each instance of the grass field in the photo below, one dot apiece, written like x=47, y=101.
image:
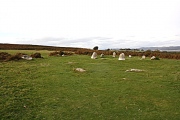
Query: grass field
x=50, y=89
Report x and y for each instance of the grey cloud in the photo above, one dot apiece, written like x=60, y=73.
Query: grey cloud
x=67, y=42
x=88, y=42
x=102, y=42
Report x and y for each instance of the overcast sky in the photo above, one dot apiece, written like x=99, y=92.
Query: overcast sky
x=89, y=23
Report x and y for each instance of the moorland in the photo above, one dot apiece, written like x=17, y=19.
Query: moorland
x=50, y=88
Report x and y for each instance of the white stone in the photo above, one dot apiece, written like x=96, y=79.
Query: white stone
x=114, y=54
x=121, y=56
x=102, y=55
x=153, y=57
x=26, y=57
x=94, y=55
x=143, y=57
x=134, y=70
x=80, y=70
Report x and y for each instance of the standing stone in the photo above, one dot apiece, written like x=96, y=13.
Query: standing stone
x=102, y=55
x=94, y=55
x=153, y=58
x=121, y=56
x=114, y=54
x=143, y=57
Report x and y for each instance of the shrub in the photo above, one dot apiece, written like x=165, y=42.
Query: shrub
x=4, y=55
x=56, y=53
x=36, y=55
x=18, y=56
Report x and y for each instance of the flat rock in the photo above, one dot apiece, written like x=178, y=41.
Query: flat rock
x=80, y=70
x=134, y=70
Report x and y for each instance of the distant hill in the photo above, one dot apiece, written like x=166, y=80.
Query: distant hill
x=4, y=46
x=170, y=48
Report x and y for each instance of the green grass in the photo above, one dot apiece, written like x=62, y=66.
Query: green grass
x=50, y=89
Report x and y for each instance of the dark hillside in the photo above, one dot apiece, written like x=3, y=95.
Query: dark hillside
x=36, y=47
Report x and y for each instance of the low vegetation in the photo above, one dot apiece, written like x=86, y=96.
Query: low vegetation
x=51, y=89
x=85, y=51
x=4, y=56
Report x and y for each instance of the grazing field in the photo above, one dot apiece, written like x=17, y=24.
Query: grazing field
x=51, y=89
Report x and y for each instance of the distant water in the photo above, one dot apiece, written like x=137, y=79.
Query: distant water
x=171, y=50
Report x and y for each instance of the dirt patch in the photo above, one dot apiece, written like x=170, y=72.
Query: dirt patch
x=71, y=63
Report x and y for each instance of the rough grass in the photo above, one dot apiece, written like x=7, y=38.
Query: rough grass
x=50, y=89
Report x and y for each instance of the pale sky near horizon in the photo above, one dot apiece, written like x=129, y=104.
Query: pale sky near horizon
x=89, y=23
